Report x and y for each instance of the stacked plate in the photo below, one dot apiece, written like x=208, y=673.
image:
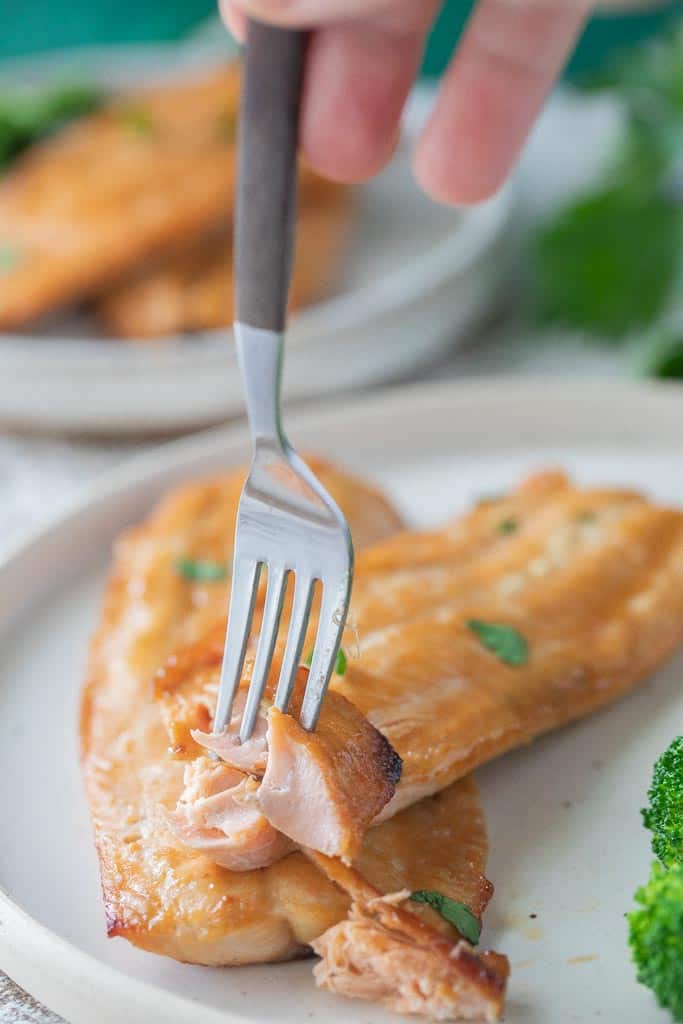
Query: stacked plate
x=416, y=279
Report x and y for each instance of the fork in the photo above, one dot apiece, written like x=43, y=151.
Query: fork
x=286, y=520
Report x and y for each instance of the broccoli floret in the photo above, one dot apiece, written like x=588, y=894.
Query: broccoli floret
x=656, y=936
x=664, y=816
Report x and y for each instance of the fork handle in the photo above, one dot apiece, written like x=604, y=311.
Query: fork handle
x=266, y=182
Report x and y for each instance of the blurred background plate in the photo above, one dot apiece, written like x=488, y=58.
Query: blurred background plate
x=417, y=277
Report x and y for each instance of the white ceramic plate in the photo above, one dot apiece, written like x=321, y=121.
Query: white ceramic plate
x=415, y=279
x=567, y=843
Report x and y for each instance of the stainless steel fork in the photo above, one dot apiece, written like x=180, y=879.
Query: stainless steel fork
x=286, y=520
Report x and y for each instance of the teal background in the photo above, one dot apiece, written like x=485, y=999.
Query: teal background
x=30, y=26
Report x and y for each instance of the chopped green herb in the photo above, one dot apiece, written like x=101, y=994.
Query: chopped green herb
x=504, y=641
x=137, y=121
x=510, y=525
x=586, y=516
x=455, y=913
x=201, y=570
x=10, y=257
x=340, y=664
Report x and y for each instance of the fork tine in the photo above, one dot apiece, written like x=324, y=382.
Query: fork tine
x=243, y=594
x=333, y=612
x=298, y=624
x=272, y=611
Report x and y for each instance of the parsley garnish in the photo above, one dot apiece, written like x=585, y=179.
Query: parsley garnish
x=509, y=525
x=340, y=664
x=504, y=641
x=200, y=569
x=586, y=516
x=137, y=121
x=455, y=913
x=10, y=257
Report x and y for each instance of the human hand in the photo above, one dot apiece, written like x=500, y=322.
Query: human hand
x=363, y=58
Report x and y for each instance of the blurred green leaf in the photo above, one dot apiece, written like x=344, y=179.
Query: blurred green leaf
x=607, y=262
x=664, y=356
x=27, y=117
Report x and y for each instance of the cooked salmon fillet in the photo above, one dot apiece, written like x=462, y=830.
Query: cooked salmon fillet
x=193, y=289
x=158, y=892
x=153, y=169
x=590, y=580
x=532, y=610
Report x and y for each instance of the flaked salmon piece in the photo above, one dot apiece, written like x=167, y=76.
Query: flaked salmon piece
x=321, y=788
x=218, y=813
x=249, y=755
x=324, y=788
x=383, y=952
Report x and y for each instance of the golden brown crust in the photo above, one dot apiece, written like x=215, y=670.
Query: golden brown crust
x=593, y=581
x=193, y=289
x=153, y=171
x=115, y=188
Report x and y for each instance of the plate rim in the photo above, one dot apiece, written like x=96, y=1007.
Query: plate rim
x=41, y=960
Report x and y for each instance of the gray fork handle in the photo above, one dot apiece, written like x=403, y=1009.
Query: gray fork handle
x=266, y=181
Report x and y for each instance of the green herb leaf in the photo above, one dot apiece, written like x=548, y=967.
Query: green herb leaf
x=340, y=665
x=137, y=121
x=455, y=913
x=10, y=257
x=201, y=570
x=664, y=356
x=510, y=525
x=586, y=516
x=607, y=262
x=504, y=641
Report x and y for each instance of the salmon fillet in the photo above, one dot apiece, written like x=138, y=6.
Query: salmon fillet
x=158, y=892
x=532, y=610
x=590, y=580
x=193, y=289
x=153, y=169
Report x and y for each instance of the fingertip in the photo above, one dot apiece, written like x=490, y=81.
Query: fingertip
x=451, y=182
x=356, y=83
x=234, y=19
x=350, y=160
